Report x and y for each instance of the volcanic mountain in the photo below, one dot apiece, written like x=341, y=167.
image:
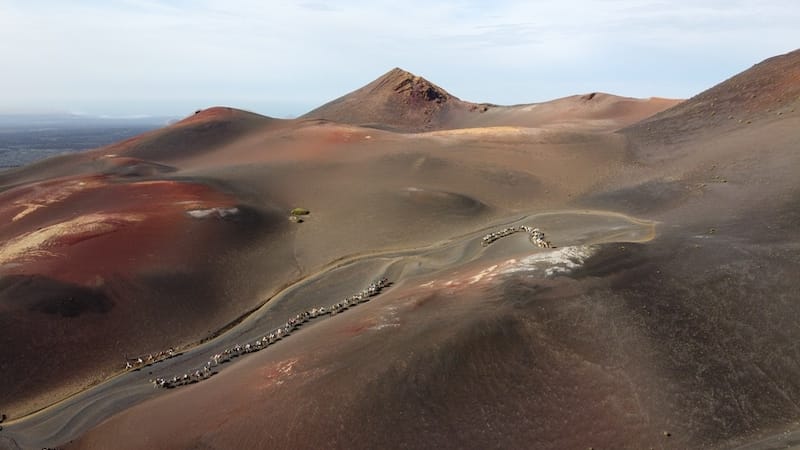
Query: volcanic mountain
x=663, y=315
x=399, y=100
x=402, y=101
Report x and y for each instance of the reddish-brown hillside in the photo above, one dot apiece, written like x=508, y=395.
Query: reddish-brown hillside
x=204, y=130
x=398, y=100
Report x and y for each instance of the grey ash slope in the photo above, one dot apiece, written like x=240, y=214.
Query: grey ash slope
x=765, y=92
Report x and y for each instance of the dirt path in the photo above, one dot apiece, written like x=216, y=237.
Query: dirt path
x=69, y=418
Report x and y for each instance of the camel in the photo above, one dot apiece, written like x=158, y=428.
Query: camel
x=293, y=323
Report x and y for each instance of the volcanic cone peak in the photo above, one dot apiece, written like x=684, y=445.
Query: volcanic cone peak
x=412, y=86
x=398, y=100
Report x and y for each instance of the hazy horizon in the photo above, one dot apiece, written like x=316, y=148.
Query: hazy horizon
x=169, y=58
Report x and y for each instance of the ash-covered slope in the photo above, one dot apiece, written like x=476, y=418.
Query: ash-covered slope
x=205, y=130
x=767, y=91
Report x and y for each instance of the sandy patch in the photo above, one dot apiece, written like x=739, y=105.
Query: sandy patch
x=549, y=264
x=212, y=212
x=484, y=131
x=46, y=194
x=45, y=242
x=553, y=263
x=276, y=374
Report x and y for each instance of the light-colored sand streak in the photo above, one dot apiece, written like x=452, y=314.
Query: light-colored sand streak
x=45, y=242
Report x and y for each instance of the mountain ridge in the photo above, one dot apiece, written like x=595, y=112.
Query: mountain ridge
x=402, y=101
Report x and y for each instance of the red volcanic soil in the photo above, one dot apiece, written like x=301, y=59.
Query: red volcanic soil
x=74, y=219
x=88, y=262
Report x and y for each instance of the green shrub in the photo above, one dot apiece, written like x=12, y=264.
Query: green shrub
x=300, y=212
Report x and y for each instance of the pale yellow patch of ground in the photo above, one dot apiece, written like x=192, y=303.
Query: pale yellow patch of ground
x=51, y=195
x=41, y=243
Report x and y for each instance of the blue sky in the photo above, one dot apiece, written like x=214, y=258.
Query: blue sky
x=282, y=58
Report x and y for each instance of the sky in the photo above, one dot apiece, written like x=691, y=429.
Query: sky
x=283, y=58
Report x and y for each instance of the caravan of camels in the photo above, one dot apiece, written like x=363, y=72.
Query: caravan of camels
x=536, y=236
x=273, y=336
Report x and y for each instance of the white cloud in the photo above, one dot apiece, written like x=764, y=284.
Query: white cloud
x=255, y=54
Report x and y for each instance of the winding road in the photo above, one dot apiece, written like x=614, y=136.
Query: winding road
x=71, y=417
